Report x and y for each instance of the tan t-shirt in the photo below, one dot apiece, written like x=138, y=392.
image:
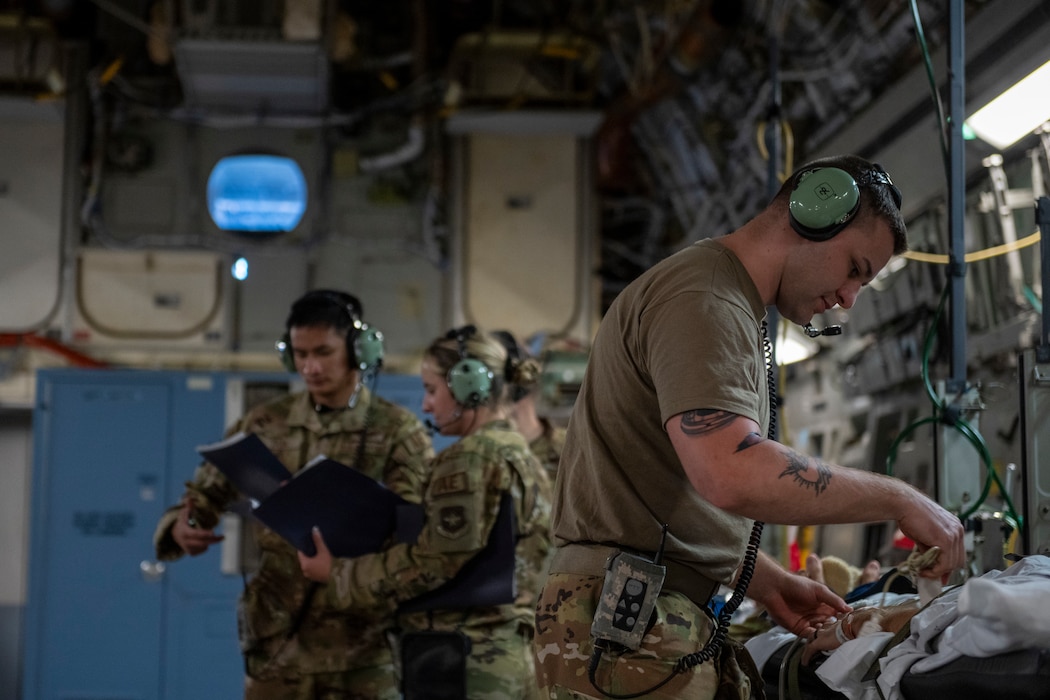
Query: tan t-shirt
x=685, y=335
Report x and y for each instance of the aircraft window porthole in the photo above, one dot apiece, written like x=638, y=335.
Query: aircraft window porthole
x=257, y=194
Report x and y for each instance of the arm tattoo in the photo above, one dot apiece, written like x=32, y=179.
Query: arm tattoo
x=705, y=421
x=749, y=440
x=798, y=469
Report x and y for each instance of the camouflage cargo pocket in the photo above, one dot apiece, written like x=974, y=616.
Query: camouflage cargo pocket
x=738, y=677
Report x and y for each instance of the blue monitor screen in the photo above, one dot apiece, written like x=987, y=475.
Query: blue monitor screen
x=260, y=193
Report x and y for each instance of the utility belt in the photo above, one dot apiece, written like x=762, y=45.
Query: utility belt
x=593, y=560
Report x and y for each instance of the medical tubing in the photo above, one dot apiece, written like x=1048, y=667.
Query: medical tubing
x=939, y=406
x=920, y=36
x=942, y=414
x=982, y=448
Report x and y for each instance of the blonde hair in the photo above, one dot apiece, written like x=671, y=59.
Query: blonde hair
x=525, y=372
x=468, y=342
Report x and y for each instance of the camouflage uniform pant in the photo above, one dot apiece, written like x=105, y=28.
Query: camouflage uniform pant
x=375, y=683
x=562, y=646
x=500, y=665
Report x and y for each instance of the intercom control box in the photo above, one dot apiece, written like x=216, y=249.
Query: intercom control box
x=632, y=584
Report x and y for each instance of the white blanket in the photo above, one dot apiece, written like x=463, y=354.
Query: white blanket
x=998, y=612
x=995, y=613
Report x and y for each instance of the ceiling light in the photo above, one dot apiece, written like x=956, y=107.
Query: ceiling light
x=1016, y=112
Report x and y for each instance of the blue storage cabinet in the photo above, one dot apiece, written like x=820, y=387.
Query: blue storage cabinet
x=111, y=450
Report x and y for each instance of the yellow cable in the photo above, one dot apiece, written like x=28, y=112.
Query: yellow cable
x=985, y=254
x=804, y=538
x=1010, y=545
x=918, y=256
x=388, y=80
x=111, y=70
x=789, y=146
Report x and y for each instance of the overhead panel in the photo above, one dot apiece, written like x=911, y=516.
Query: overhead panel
x=268, y=77
x=524, y=222
x=158, y=299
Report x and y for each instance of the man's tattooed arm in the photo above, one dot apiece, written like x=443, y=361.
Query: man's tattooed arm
x=750, y=440
x=798, y=469
x=706, y=421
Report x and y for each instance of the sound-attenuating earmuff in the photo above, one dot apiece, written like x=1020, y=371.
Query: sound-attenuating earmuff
x=470, y=380
x=368, y=347
x=364, y=344
x=284, y=351
x=825, y=200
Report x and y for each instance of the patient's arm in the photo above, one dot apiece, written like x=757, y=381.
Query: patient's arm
x=858, y=623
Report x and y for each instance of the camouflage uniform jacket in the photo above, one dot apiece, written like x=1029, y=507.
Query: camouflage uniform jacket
x=462, y=500
x=548, y=446
x=397, y=452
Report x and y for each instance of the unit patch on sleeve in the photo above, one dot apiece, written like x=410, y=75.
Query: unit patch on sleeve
x=452, y=521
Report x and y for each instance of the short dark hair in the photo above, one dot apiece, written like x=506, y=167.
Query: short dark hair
x=325, y=307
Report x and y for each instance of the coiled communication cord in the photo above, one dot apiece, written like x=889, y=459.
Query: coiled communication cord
x=711, y=649
x=714, y=645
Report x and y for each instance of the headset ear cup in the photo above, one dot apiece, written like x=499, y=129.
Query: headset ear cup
x=353, y=343
x=367, y=351
x=823, y=202
x=284, y=351
x=470, y=382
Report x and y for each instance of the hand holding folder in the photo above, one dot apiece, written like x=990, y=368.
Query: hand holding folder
x=355, y=513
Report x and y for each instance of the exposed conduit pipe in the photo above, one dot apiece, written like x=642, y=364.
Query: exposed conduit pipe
x=405, y=153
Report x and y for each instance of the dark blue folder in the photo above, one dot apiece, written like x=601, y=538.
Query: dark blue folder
x=355, y=513
x=487, y=579
x=248, y=464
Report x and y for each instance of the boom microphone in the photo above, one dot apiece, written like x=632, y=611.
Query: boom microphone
x=814, y=332
x=433, y=427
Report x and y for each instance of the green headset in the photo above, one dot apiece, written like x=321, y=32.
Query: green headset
x=470, y=380
x=368, y=347
x=364, y=344
x=825, y=200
